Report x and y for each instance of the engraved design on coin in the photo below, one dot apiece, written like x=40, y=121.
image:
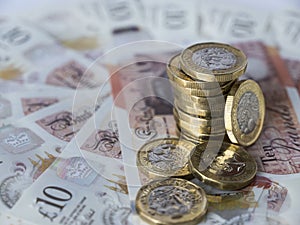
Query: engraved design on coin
x=227, y=165
x=167, y=157
x=248, y=112
x=214, y=58
x=171, y=201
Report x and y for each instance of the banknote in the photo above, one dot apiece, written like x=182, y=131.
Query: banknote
x=144, y=110
x=73, y=191
x=30, y=145
x=277, y=149
x=286, y=25
x=174, y=21
x=85, y=35
x=12, y=64
x=14, y=106
x=227, y=22
x=125, y=21
x=21, y=36
x=68, y=69
x=263, y=200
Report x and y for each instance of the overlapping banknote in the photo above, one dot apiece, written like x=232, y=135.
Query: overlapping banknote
x=68, y=145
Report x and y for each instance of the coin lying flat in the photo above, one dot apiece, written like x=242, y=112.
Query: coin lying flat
x=244, y=112
x=171, y=201
x=165, y=157
x=231, y=168
x=213, y=62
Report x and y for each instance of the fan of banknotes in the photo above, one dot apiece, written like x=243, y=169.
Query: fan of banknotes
x=137, y=112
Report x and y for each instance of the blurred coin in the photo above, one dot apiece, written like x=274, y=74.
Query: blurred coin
x=171, y=201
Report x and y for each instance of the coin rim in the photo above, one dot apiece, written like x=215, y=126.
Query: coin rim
x=199, y=73
x=230, y=116
x=192, y=218
x=150, y=171
x=232, y=182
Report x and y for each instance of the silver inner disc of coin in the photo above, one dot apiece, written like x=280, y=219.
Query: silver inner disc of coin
x=171, y=200
x=214, y=58
x=167, y=157
x=248, y=112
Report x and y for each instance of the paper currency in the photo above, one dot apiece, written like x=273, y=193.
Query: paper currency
x=286, y=25
x=85, y=35
x=69, y=70
x=16, y=105
x=125, y=21
x=30, y=145
x=277, y=149
x=226, y=22
x=143, y=111
x=174, y=21
x=72, y=190
x=263, y=200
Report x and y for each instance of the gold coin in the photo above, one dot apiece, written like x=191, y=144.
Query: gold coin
x=198, y=111
x=216, y=103
x=198, y=92
x=213, y=62
x=244, y=112
x=165, y=157
x=178, y=76
x=198, y=130
x=231, y=168
x=193, y=135
x=171, y=201
x=198, y=121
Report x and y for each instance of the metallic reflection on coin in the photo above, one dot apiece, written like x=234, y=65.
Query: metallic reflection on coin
x=165, y=158
x=213, y=62
x=231, y=169
x=244, y=112
x=171, y=201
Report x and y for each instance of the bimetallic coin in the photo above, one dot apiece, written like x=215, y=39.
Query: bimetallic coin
x=198, y=121
x=165, y=158
x=231, y=169
x=198, y=130
x=213, y=62
x=193, y=136
x=244, y=112
x=198, y=111
x=198, y=92
x=171, y=201
x=178, y=76
x=214, y=103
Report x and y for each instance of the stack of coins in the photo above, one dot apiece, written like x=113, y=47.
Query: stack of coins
x=208, y=100
x=202, y=76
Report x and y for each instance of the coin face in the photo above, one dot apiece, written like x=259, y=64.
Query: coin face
x=230, y=169
x=214, y=58
x=165, y=157
x=244, y=112
x=171, y=201
x=213, y=62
